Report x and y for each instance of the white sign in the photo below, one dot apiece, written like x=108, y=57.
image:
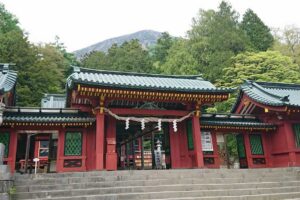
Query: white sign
x=35, y=160
x=206, y=141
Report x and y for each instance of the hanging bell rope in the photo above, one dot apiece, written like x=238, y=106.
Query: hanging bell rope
x=148, y=119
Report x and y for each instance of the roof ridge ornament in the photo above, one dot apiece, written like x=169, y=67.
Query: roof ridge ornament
x=285, y=98
x=76, y=69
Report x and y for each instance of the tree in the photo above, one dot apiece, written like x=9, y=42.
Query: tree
x=95, y=60
x=130, y=56
x=269, y=66
x=69, y=58
x=179, y=59
x=214, y=38
x=8, y=22
x=46, y=75
x=259, y=34
x=161, y=48
x=288, y=42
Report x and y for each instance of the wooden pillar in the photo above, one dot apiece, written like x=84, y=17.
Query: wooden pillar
x=197, y=142
x=215, y=146
x=248, y=150
x=12, y=152
x=60, y=150
x=175, y=148
x=142, y=153
x=291, y=144
x=111, y=154
x=267, y=148
x=100, y=128
x=99, y=141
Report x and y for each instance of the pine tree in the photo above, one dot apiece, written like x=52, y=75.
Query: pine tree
x=258, y=33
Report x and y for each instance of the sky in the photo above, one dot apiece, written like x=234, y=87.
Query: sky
x=80, y=23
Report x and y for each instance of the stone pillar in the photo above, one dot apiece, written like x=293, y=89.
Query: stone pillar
x=197, y=142
x=111, y=154
x=2, y=148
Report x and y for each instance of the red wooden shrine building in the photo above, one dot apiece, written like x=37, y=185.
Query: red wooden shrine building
x=118, y=120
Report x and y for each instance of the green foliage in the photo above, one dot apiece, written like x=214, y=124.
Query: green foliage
x=69, y=58
x=46, y=75
x=160, y=50
x=263, y=66
x=130, y=56
x=8, y=22
x=269, y=66
x=259, y=34
x=12, y=190
x=214, y=38
x=231, y=145
x=95, y=60
x=179, y=60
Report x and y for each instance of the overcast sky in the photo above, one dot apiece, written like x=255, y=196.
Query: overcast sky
x=80, y=23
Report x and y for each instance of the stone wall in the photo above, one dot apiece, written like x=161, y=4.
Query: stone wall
x=6, y=182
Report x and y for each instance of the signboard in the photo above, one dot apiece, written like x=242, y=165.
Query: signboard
x=206, y=141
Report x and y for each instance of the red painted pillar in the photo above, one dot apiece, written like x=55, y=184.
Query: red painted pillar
x=197, y=142
x=291, y=145
x=99, y=141
x=248, y=150
x=12, y=150
x=267, y=148
x=175, y=148
x=60, y=150
x=215, y=146
x=111, y=155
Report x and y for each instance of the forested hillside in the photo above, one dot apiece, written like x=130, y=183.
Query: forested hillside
x=222, y=45
x=146, y=38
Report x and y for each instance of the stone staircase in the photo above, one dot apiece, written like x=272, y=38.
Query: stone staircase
x=204, y=184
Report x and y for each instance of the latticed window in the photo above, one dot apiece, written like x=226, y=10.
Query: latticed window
x=256, y=144
x=297, y=134
x=4, y=139
x=189, y=130
x=241, y=146
x=73, y=144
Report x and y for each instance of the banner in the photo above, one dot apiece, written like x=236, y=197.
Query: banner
x=206, y=141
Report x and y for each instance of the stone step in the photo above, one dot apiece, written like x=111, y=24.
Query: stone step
x=150, y=184
x=165, y=172
x=143, y=181
x=277, y=196
x=63, y=180
x=196, y=194
x=158, y=188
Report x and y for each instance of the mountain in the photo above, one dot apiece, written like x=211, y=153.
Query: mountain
x=146, y=38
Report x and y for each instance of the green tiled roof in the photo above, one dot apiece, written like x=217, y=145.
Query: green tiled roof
x=8, y=78
x=234, y=120
x=128, y=80
x=272, y=94
x=42, y=115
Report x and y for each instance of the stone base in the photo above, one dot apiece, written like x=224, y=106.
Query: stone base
x=4, y=196
x=4, y=169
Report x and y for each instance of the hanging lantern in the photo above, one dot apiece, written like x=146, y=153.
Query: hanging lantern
x=159, y=124
x=175, y=125
x=143, y=124
x=127, y=124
